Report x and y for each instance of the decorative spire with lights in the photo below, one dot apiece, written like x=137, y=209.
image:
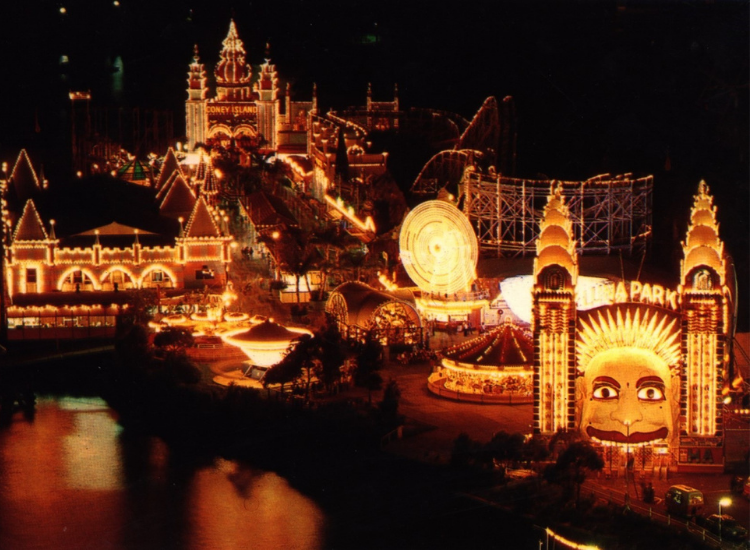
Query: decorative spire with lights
x=232, y=73
x=702, y=247
x=553, y=318
x=196, y=122
x=268, y=82
x=196, y=78
x=707, y=305
x=555, y=245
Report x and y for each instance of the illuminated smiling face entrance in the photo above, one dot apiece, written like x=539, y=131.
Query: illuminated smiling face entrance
x=628, y=385
x=628, y=396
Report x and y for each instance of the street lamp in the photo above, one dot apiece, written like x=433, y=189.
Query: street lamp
x=627, y=465
x=723, y=503
x=275, y=236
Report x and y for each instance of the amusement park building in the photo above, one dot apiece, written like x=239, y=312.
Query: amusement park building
x=645, y=373
x=245, y=112
x=73, y=252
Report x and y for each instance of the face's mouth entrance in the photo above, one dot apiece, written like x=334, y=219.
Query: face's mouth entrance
x=635, y=437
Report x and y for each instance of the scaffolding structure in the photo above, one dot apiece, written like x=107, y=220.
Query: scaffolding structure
x=609, y=213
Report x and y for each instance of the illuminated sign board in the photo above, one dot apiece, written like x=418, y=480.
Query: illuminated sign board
x=591, y=292
x=231, y=109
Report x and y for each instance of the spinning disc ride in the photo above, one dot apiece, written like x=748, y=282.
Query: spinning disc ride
x=438, y=248
x=439, y=252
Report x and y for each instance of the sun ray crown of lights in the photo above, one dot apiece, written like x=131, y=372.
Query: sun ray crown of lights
x=645, y=329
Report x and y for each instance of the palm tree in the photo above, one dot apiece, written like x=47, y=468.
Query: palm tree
x=332, y=239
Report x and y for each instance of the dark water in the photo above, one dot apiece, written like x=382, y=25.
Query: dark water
x=72, y=479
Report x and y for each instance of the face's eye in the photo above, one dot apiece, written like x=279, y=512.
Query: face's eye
x=605, y=391
x=650, y=393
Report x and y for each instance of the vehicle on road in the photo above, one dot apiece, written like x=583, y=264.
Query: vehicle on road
x=682, y=500
x=725, y=526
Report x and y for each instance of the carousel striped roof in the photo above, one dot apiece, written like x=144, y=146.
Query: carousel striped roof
x=504, y=346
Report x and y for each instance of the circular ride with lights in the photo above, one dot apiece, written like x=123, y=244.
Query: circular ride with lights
x=265, y=344
x=439, y=252
x=496, y=367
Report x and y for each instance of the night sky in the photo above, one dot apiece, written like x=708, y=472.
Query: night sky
x=655, y=88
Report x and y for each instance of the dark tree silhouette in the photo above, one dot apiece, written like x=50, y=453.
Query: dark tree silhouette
x=464, y=449
x=173, y=340
x=369, y=356
x=389, y=405
x=287, y=370
x=331, y=354
x=506, y=448
x=574, y=463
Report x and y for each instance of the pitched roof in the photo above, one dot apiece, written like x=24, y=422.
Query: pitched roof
x=179, y=200
x=135, y=171
x=168, y=168
x=164, y=189
x=268, y=210
x=30, y=227
x=201, y=223
x=23, y=178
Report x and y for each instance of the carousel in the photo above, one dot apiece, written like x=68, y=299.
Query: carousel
x=496, y=368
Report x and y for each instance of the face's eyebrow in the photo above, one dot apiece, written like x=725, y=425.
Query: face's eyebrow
x=606, y=380
x=649, y=380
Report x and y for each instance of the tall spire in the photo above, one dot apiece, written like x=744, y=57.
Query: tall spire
x=703, y=248
x=232, y=72
x=196, y=78
x=195, y=106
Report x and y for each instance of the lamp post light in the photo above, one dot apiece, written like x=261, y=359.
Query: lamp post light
x=723, y=503
x=627, y=466
x=275, y=236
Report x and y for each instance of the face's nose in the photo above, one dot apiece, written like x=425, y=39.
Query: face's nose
x=628, y=410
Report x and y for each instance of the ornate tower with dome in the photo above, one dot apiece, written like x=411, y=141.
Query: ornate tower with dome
x=706, y=322
x=249, y=111
x=553, y=319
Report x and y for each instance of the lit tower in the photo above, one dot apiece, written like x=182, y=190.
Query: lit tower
x=554, y=319
x=232, y=72
x=195, y=106
x=267, y=89
x=706, y=305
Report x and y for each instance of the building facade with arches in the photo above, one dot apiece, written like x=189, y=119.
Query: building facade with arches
x=75, y=254
x=247, y=111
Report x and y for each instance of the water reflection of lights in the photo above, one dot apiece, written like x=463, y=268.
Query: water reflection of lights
x=234, y=506
x=91, y=451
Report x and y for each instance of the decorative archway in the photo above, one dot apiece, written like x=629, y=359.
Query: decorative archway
x=117, y=278
x=157, y=276
x=77, y=279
